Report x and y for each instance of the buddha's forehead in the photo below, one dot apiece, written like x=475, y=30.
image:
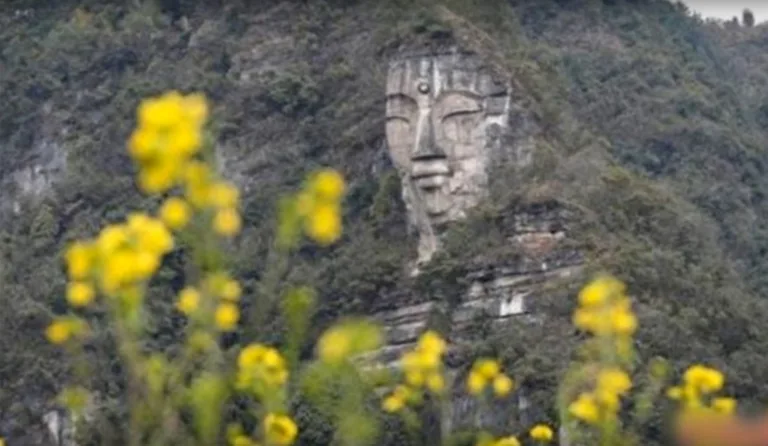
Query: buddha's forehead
x=458, y=72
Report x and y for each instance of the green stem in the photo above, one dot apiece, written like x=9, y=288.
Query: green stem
x=267, y=290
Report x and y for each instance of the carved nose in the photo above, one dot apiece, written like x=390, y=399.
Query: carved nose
x=427, y=147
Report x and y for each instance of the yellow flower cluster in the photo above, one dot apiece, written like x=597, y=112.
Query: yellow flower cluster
x=228, y=292
x=205, y=192
x=165, y=145
x=423, y=368
x=63, y=329
x=604, y=401
x=117, y=262
x=218, y=285
x=398, y=399
x=488, y=371
x=279, y=430
x=348, y=339
x=699, y=383
x=168, y=135
x=260, y=368
x=319, y=205
x=605, y=310
x=542, y=433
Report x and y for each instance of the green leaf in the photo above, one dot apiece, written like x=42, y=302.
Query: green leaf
x=298, y=307
x=289, y=223
x=208, y=393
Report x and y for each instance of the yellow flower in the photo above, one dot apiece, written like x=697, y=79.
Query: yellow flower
x=614, y=381
x=184, y=140
x=272, y=359
x=143, y=144
x=273, y=369
x=136, y=223
x=279, y=429
x=58, y=332
x=227, y=316
x=324, y=224
x=146, y=264
x=159, y=177
x=196, y=173
x=608, y=400
x=230, y=290
x=592, y=321
x=334, y=345
x=724, y=405
x=2, y=442
x=502, y=385
x=414, y=378
x=541, y=432
x=599, y=291
x=435, y=382
x=189, y=300
x=328, y=185
x=675, y=393
x=475, y=382
x=623, y=322
x=704, y=379
x=151, y=234
x=118, y=270
x=397, y=399
x=111, y=238
x=251, y=356
x=79, y=257
x=392, y=404
x=175, y=213
x=585, y=408
x=426, y=360
x=161, y=112
x=223, y=195
x=489, y=368
x=80, y=294
x=227, y=222
x=507, y=441
x=431, y=343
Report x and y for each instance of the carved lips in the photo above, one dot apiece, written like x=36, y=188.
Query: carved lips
x=430, y=174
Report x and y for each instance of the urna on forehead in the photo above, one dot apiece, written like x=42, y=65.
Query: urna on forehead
x=436, y=73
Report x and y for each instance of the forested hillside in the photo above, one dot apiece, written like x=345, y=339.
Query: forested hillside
x=655, y=138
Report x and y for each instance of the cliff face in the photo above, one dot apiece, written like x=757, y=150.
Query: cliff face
x=579, y=135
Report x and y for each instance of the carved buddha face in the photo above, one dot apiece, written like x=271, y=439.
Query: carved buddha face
x=445, y=115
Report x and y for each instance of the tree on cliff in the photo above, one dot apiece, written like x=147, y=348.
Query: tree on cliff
x=748, y=18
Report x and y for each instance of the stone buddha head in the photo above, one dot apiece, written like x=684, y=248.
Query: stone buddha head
x=447, y=120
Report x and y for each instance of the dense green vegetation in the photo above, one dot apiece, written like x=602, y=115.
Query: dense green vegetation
x=654, y=136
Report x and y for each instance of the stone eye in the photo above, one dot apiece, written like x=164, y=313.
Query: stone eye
x=423, y=88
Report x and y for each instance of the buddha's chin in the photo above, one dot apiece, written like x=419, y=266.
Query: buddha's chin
x=436, y=205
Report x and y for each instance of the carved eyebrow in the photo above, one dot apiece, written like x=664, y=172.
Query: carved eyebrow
x=465, y=93
x=400, y=100
x=467, y=104
x=401, y=96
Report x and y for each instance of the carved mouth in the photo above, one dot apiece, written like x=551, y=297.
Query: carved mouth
x=431, y=182
x=431, y=174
